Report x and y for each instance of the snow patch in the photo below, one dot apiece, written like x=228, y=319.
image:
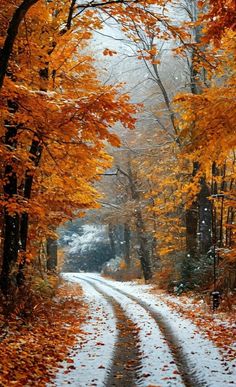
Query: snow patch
x=93, y=353
x=202, y=354
x=158, y=366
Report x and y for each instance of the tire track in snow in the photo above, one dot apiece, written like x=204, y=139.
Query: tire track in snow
x=93, y=352
x=189, y=376
x=158, y=366
x=126, y=354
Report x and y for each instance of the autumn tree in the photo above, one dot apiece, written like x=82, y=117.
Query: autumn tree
x=210, y=140
x=54, y=141
x=44, y=44
x=193, y=186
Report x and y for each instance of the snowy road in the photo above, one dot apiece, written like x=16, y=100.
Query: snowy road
x=133, y=339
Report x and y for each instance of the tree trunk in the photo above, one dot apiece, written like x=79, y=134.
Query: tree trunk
x=127, y=236
x=191, y=230
x=12, y=32
x=205, y=218
x=199, y=222
x=199, y=216
x=154, y=254
x=111, y=234
x=11, y=220
x=10, y=249
x=144, y=251
x=35, y=156
x=51, y=254
x=191, y=218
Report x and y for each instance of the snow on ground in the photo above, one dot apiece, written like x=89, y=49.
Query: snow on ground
x=201, y=353
x=218, y=326
x=192, y=304
x=92, y=356
x=157, y=361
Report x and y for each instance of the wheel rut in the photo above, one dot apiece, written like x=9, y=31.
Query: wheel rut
x=189, y=376
x=126, y=357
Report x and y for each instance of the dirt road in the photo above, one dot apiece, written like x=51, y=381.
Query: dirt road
x=132, y=339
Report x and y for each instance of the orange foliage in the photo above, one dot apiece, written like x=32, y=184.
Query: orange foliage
x=220, y=17
x=65, y=109
x=206, y=122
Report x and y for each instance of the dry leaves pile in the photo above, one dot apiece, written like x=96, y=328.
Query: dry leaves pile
x=30, y=351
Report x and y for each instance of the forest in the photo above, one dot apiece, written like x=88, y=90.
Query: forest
x=117, y=155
